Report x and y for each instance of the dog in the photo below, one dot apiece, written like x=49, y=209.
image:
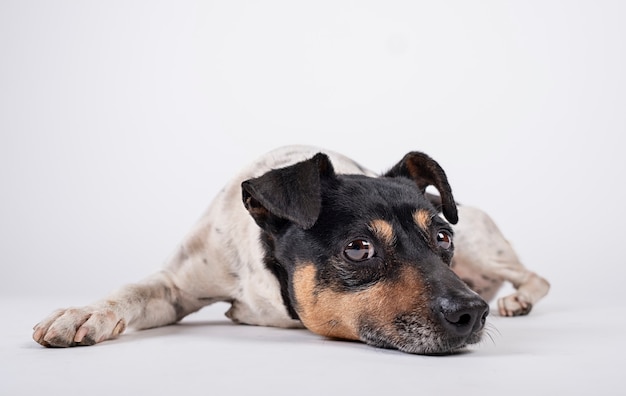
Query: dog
x=305, y=237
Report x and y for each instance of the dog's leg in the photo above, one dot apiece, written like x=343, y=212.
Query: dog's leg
x=193, y=278
x=154, y=302
x=530, y=288
x=484, y=257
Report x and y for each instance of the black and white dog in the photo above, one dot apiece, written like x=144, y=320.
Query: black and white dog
x=321, y=242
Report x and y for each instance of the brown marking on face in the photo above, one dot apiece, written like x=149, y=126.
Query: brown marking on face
x=319, y=310
x=383, y=230
x=423, y=218
x=340, y=314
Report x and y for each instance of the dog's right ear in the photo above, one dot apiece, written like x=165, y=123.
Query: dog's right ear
x=293, y=193
x=425, y=171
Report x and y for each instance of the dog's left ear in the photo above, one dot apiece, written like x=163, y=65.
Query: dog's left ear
x=292, y=193
x=425, y=171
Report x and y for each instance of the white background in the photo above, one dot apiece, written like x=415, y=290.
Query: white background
x=120, y=120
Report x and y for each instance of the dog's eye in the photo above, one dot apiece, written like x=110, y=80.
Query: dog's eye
x=359, y=250
x=444, y=239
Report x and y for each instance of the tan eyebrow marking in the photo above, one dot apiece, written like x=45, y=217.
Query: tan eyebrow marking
x=423, y=218
x=383, y=230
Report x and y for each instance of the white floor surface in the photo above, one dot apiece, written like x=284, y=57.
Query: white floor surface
x=561, y=348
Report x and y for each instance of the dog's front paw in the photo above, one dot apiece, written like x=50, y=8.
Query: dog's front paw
x=78, y=326
x=516, y=304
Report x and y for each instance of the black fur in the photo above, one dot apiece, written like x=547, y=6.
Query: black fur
x=279, y=272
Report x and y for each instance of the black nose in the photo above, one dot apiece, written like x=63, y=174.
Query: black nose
x=461, y=317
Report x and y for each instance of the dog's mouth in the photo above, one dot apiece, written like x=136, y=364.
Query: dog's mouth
x=415, y=335
x=422, y=344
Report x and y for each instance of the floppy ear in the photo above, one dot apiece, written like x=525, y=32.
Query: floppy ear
x=293, y=193
x=425, y=171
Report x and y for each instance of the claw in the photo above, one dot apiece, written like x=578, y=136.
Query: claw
x=80, y=335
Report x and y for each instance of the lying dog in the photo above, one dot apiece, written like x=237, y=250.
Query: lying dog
x=322, y=242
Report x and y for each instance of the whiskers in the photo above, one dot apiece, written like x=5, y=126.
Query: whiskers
x=490, y=331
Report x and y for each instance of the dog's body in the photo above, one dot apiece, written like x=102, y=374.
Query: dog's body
x=275, y=258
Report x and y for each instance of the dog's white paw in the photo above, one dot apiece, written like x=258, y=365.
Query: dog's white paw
x=78, y=326
x=516, y=304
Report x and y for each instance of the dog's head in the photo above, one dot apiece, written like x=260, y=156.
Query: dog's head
x=366, y=258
